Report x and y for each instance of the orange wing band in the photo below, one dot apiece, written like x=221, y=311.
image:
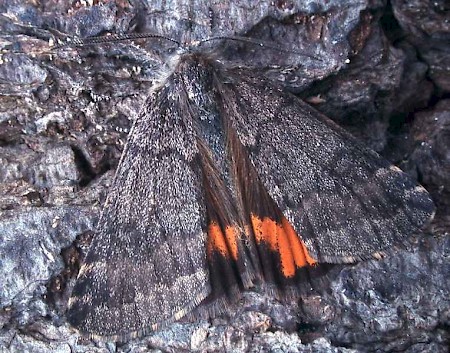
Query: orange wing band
x=225, y=244
x=283, y=239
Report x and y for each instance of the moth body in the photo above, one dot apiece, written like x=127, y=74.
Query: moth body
x=226, y=181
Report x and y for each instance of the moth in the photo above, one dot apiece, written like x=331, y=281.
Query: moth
x=228, y=180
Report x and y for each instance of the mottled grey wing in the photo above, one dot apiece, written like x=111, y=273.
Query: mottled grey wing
x=344, y=200
x=147, y=263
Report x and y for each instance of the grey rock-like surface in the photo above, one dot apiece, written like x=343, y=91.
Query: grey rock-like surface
x=427, y=25
x=431, y=129
x=31, y=242
x=388, y=307
x=380, y=70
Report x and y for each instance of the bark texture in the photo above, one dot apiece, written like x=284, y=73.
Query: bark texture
x=383, y=74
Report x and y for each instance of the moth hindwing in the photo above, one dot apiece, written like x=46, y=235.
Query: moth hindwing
x=227, y=180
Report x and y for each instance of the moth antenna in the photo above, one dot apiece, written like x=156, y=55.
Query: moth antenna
x=79, y=42
x=71, y=42
x=258, y=43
